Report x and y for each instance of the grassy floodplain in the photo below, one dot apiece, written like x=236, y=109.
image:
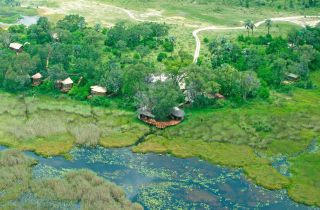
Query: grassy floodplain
x=218, y=11
x=53, y=126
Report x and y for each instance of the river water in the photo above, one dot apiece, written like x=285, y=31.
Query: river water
x=166, y=182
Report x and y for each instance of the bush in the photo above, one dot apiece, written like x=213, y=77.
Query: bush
x=45, y=87
x=79, y=93
x=100, y=101
x=161, y=56
x=305, y=84
x=264, y=93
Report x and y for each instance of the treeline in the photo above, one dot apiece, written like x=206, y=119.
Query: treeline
x=10, y=2
x=280, y=4
x=272, y=59
x=139, y=66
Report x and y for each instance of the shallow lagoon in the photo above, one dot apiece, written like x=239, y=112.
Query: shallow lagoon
x=166, y=182
x=25, y=20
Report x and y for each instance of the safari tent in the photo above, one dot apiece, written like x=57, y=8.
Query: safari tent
x=98, y=91
x=36, y=79
x=16, y=47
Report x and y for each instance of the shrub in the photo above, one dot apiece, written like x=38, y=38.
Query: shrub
x=263, y=92
x=79, y=93
x=100, y=101
x=161, y=56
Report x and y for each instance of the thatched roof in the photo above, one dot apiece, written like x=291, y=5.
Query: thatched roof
x=37, y=76
x=98, y=89
x=219, y=96
x=176, y=112
x=15, y=46
x=67, y=81
x=146, y=112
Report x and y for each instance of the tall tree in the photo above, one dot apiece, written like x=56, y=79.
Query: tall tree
x=268, y=23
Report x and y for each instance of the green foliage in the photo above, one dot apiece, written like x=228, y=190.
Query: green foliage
x=72, y=23
x=239, y=85
x=79, y=92
x=263, y=92
x=161, y=56
x=45, y=88
x=160, y=98
x=100, y=101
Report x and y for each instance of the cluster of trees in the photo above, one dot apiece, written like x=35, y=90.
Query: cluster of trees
x=271, y=58
x=280, y=3
x=121, y=58
x=10, y=2
x=125, y=57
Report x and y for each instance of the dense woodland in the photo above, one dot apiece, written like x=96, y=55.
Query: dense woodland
x=125, y=58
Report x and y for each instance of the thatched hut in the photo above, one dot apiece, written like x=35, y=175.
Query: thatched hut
x=145, y=114
x=16, y=47
x=36, y=79
x=64, y=85
x=177, y=114
x=98, y=91
x=219, y=96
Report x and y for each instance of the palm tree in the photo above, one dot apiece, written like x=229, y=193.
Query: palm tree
x=268, y=23
x=252, y=26
x=247, y=25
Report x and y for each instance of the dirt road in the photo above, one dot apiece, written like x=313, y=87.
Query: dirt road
x=299, y=20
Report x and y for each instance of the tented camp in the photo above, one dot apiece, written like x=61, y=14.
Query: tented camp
x=36, y=79
x=64, y=85
x=16, y=47
x=98, y=91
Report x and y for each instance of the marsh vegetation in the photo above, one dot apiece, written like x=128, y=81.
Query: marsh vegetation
x=75, y=188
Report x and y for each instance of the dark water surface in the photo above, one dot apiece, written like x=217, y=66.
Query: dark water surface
x=166, y=182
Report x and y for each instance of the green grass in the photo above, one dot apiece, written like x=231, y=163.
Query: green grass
x=305, y=180
x=217, y=11
x=52, y=127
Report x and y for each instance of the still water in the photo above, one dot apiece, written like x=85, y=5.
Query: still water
x=166, y=182
x=25, y=20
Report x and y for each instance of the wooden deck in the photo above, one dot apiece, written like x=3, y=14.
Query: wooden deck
x=161, y=125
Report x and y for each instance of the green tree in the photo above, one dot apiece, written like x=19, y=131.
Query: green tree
x=134, y=79
x=199, y=81
x=160, y=97
x=72, y=23
x=268, y=23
